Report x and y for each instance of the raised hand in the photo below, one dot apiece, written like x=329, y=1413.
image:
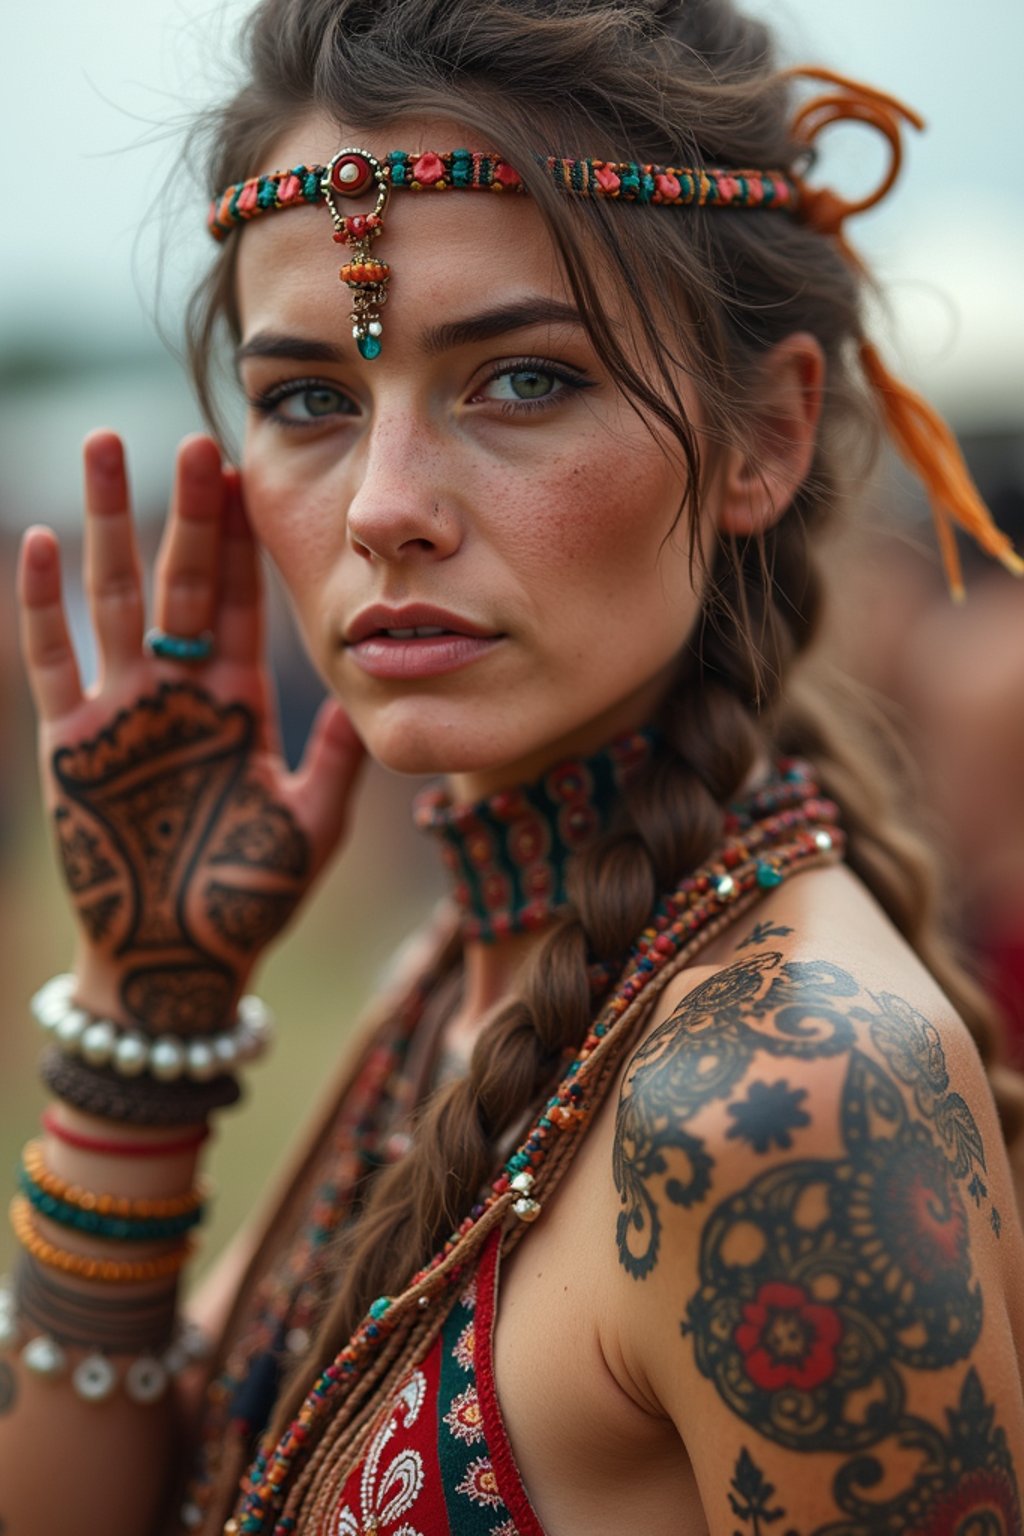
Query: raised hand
x=185, y=842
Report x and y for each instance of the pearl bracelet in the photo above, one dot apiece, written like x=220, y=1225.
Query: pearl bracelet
x=145, y=1378
x=102, y=1043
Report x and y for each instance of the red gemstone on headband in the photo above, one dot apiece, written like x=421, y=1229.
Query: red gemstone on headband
x=607, y=179
x=289, y=189
x=506, y=175
x=428, y=169
x=350, y=175
x=667, y=187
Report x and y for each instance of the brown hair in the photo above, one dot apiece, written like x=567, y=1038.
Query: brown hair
x=672, y=81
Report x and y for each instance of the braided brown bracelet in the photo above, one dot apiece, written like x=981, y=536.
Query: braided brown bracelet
x=141, y=1101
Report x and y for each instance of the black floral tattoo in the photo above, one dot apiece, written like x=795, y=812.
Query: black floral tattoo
x=824, y=1279
x=149, y=804
x=823, y=1276
x=769, y=1114
x=751, y=1497
x=762, y=932
x=699, y=1055
x=966, y=1485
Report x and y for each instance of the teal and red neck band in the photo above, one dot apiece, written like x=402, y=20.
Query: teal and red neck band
x=508, y=855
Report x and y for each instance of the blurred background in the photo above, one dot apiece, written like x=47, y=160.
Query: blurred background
x=101, y=235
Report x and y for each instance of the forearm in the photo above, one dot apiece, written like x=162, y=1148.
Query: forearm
x=117, y=1455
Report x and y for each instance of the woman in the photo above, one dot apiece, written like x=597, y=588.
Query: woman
x=700, y=1091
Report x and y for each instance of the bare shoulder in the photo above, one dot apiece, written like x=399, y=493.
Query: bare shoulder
x=816, y=1225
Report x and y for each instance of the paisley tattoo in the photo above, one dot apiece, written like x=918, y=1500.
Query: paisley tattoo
x=148, y=805
x=824, y=1280
x=699, y=1055
x=965, y=1485
x=822, y=1277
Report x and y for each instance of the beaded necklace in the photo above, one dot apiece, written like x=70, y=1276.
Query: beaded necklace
x=782, y=828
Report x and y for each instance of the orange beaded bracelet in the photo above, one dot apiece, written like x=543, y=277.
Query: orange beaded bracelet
x=108, y=1205
x=113, y=1271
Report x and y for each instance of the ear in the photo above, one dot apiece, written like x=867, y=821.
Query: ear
x=757, y=485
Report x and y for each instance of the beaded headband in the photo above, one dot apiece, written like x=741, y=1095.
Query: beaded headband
x=921, y=436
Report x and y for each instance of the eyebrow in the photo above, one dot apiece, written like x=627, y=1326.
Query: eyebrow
x=484, y=326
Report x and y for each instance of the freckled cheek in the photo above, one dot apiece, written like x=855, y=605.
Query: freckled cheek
x=302, y=532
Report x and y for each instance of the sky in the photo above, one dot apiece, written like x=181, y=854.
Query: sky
x=95, y=97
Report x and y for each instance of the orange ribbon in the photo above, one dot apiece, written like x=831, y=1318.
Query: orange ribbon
x=923, y=439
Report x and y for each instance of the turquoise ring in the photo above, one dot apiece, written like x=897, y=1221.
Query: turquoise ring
x=179, y=647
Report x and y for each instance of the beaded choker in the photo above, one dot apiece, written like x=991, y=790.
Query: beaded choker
x=508, y=854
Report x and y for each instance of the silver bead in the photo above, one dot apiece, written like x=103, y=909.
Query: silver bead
x=225, y=1049
x=131, y=1055
x=527, y=1210
x=523, y=1182
x=424, y=1302
x=70, y=1028
x=145, y=1380
x=297, y=1341
x=823, y=840
x=98, y=1042
x=44, y=1357
x=348, y=173
x=167, y=1058
x=725, y=888
x=202, y=1063
x=94, y=1379
x=53, y=1000
x=375, y=328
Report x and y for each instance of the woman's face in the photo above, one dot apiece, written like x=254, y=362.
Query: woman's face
x=484, y=465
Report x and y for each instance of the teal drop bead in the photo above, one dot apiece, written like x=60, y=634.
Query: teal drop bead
x=768, y=878
x=369, y=346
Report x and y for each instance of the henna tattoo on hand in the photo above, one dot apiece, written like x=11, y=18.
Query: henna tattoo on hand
x=248, y=920
x=149, y=804
x=8, y=1387
x=966, y=1485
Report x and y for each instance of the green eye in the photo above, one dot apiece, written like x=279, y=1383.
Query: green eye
x=530, y=384
x=320, y=402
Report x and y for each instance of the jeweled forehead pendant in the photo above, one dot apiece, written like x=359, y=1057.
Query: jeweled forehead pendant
x=352, y=173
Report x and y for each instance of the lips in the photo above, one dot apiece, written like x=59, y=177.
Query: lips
x=382, y=622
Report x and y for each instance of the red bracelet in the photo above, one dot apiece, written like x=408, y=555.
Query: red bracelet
x=122, y=1148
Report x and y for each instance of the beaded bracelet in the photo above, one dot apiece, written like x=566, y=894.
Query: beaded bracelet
x=152, y=1229
x=95, y=1378
x=111, y=1271
x=102, y=1043
x=139, y=1101
x=133, y=1208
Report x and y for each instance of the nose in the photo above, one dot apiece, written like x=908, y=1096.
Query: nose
x=404, y=507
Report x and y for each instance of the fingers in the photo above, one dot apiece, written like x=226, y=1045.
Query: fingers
x=188, y=566
x=327, y=775
x=113, y=580
x=45, y=640
x=238, y=627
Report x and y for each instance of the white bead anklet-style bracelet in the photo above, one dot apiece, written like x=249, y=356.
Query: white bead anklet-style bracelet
x=102, y=1043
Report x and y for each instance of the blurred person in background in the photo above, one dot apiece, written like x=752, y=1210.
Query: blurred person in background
x=687, y=1062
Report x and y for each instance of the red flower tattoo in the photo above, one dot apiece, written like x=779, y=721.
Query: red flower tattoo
x=788, y=1340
